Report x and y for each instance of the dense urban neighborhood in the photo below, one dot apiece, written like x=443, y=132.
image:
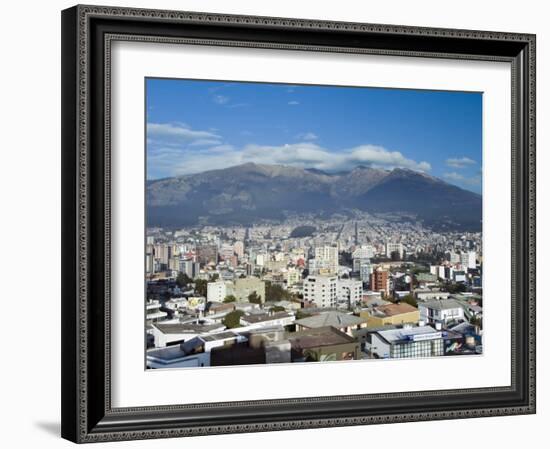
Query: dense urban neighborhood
x=311, y=289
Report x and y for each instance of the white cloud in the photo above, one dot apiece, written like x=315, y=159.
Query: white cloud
x=307, y=136
x=205, y=142
x=304, y=155
x=293, y=103
x=179, y=131
x=220, y=99
x=177, y=149
x=461, y=162
x=460, y=179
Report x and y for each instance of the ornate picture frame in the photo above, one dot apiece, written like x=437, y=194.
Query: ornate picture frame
x=87, y=35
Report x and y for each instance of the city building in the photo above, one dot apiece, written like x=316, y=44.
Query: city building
x=442, y=312
x=258, y=320
x=380, y=281
x=162, y=253
x=391, y=314
x=166, y=334
x=349, y=292
x=194, y=352
x=207, y=254
x=327, y=257
x=407, y=342
x=341, y=321
x=242, y=288
x=238, y=248
x=322, y=290
x=322, y=345
x=392, y=247
x=216, y=291
x=427, y=294
x=468, y=260
x=363, y=252
x=189, y=267
x=153, y=312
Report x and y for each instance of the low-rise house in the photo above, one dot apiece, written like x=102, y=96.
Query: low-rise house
x=214, y=308
x=322, y=344
x=153, y=313
x=191, y=353
x=342, y=321
x=391, y=314
x=441, y=312
x=174, y=357
x=257, y=320
x=427, y=294
x=170, y=333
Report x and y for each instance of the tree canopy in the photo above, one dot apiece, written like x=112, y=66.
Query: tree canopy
x=274, y=293
x=201, y=286
x=182, y=279
x=233, y=319
x=254, y=298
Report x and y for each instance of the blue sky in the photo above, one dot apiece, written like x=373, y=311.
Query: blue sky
x=193, y=126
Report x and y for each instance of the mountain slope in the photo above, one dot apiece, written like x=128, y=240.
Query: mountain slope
x=250, y=192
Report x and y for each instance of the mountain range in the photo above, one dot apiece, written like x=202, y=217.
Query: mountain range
x=251, y=192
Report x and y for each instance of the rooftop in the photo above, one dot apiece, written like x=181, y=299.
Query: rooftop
x=314, y=338
x=335, y=319
x=441, y=304
x=395, y=309
x=187, y=328
x=258, y=318
x=164, y=355
x=407, y=334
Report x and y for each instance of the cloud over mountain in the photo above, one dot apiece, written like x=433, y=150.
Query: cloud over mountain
x=461, y=162
x=173, y=150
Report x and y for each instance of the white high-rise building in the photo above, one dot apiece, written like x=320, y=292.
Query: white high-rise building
x=261, y=259
x=226, y=251
x=322, y=290
x=365, y=271
x=392, y=247
x=216, y=291
x=238, y=248
x=468, y=260
x=358, y=263
x=454, y=257
x=363, y=252
x=349, y=291
x=327, y=257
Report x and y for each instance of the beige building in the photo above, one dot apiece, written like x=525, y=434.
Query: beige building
x=391, y=314
x=242, y=288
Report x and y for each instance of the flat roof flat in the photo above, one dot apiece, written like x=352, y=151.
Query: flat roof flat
x=321, y=336
x=404, y=334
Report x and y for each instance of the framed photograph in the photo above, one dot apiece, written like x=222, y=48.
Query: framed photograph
x=274, y=223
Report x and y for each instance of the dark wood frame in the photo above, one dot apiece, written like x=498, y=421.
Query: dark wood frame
x=87, y=32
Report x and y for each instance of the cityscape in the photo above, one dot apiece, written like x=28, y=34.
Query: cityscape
x=301, y=251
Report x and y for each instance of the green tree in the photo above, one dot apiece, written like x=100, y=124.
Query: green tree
x=230, y=298
x=274, y=293
x=454, y=288
x=182, y=280
x=254, y=298
x=409, y=299
x=476, y=321
x=233, y=319
x=201, y=286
